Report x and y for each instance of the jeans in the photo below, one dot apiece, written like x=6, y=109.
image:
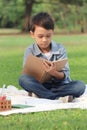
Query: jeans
x=51, y=90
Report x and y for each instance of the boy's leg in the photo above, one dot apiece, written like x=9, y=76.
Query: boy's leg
x=74, y=88
x=32, y=85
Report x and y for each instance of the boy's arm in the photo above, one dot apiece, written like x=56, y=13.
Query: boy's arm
x=58, y=75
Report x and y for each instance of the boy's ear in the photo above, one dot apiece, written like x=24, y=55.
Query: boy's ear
x=32, y=34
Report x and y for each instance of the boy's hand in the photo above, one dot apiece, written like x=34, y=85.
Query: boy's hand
x=50, y=68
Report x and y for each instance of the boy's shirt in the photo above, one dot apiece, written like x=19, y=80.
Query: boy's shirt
x=58, y=52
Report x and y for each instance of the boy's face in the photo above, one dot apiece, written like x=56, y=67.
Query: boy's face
x=42, y=37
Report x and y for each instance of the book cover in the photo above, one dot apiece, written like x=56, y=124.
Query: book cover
x=34, y=67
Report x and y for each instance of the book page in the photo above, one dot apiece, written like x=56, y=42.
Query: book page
x=60, y=64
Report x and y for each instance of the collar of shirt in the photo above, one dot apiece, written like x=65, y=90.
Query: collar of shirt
x=54, y=49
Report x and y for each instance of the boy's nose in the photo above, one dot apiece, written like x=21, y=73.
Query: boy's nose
x=44, y=39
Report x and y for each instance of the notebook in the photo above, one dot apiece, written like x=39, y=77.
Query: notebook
x=34, y=67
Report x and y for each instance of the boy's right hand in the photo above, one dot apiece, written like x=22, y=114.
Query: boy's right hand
x=49, y=67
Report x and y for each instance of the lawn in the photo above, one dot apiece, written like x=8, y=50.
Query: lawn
x=11, y=56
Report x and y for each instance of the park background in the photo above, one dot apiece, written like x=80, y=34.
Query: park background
x=69, y=15
x=70, y=29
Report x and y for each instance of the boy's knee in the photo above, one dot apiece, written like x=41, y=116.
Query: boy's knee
x=80, y=88
x=25, y=80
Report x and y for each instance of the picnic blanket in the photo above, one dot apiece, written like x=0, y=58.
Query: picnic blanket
x=20, y=97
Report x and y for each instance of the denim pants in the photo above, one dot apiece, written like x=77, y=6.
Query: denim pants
x=51, y=90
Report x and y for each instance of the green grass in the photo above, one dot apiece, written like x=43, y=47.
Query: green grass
x=55, y=120
x=11, y=56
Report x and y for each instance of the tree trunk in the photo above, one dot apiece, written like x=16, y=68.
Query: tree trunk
x=28, y=10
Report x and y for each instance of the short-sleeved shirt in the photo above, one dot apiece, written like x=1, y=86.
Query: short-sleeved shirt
x=57, y=52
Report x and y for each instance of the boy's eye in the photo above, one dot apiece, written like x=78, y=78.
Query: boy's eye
x=48, y=36
x=40, y=36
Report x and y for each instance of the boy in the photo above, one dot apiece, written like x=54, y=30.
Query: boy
x=41, y=30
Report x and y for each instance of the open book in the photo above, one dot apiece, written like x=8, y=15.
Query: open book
x=34, y=67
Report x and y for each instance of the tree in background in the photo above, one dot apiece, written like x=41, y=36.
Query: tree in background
x=10, y=13
x=28, y=4
x=67, y=14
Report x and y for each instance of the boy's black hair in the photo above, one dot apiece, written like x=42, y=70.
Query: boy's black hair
x=42, y=19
